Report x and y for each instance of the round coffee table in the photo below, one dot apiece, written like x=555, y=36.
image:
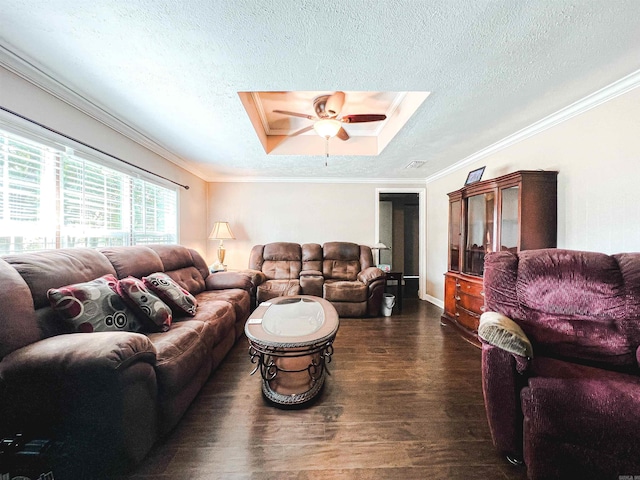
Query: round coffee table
x=291, y=341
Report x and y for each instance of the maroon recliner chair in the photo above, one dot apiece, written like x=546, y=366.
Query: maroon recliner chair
x=560, y=358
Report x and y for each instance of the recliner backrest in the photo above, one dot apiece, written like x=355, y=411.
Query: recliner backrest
x=312, y=257
x=280, y=261
x=341, y=261
x=574, y=304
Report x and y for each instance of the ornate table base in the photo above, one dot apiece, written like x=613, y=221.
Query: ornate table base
x=291, y=343
x=291, y=376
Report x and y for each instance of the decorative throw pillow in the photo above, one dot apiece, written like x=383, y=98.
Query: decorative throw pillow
x=179, y=299
x=154, y=314
x=93, y=306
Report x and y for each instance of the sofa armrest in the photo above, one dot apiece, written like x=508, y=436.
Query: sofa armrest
x=225, y=280
x=77, y=354
x=97, y=390
x=502, y=382
x=502, y=332
x=506, y=355
x=370, y=275
x=256, y=276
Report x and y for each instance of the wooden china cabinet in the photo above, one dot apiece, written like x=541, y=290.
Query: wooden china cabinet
x=514, y=212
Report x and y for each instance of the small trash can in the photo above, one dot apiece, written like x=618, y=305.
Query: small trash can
x=388, y=301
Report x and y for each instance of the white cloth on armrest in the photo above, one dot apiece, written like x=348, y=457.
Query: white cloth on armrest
x=502, y=332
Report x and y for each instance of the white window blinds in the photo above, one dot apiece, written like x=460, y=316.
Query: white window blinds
x=54, y=198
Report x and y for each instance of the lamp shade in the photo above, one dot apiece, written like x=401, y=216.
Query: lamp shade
x=221, y=231
x=327, y=128
x=380, y=246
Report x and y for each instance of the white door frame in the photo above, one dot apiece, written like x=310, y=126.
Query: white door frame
x=422, y=221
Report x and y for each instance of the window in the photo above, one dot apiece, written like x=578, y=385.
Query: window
x=54, y=197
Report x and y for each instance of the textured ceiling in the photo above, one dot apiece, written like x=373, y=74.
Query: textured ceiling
x=172, y=69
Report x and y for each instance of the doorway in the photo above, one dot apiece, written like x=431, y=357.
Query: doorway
x=400, y=226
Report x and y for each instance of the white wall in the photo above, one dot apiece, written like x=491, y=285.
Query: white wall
x=26, y=99
x=260, y=213
x=597, y=155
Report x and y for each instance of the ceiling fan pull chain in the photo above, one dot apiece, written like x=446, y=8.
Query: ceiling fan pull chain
x=326, y=150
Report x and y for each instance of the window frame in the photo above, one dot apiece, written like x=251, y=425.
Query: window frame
x=43, y=138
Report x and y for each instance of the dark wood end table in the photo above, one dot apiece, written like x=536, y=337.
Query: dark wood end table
x=396, y=279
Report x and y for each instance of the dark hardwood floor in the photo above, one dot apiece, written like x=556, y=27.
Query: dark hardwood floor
x=404, y=401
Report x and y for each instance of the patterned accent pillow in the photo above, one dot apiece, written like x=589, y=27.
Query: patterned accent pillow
x=179, y=299
x=154, y=314
x=94, y=306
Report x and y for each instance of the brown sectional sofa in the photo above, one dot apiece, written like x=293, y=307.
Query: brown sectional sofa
x=341, y=272
x=108, y=396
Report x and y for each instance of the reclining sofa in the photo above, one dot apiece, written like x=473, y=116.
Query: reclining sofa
x=560, y=353
x=107, y=396
x=341, y=272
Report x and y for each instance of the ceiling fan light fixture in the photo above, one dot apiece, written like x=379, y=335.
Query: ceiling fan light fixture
x=327, y=128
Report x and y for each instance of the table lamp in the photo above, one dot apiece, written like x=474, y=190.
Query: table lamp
x=221, y=231
x=377, y=247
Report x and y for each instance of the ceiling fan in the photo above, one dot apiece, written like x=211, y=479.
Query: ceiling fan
x=328, y=120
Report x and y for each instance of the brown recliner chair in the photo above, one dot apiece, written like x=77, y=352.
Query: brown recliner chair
x=280, y=264
x=351, y=282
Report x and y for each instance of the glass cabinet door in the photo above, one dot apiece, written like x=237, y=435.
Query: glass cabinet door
x=455, y=221
x=509, y=220
x=479, y=232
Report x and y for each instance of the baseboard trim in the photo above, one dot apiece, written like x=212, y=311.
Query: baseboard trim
x=437, y=302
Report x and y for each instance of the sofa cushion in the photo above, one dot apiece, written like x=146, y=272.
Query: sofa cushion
x=56, y=268
x=311, y=256
x=173, y=257
x=179, y=299
x=180, y=353
x=153, y=313
x=135, y=261
x=239, y=299
x=94, y=306
x=184, y=265
x=188, y=278
x=277, y=288
x=575, y=415
x=218, y=315
x=340, y=291
x=341, y=260
x=341, y=269
x=282, y=260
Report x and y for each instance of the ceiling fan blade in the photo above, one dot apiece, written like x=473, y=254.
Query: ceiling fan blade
x=301, y=131
x=342, y=134
x=294, y=114
x=363, y=117
x=334, y=104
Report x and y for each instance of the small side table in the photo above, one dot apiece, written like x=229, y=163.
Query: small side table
x=396, y=279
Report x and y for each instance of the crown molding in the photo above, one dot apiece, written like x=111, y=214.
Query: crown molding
x=39, y=78
x=605, y=94
x=372, y=181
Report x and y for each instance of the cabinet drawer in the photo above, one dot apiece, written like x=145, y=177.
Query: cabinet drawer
x=467, y=319
x=470, y=302
x=470, y=288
